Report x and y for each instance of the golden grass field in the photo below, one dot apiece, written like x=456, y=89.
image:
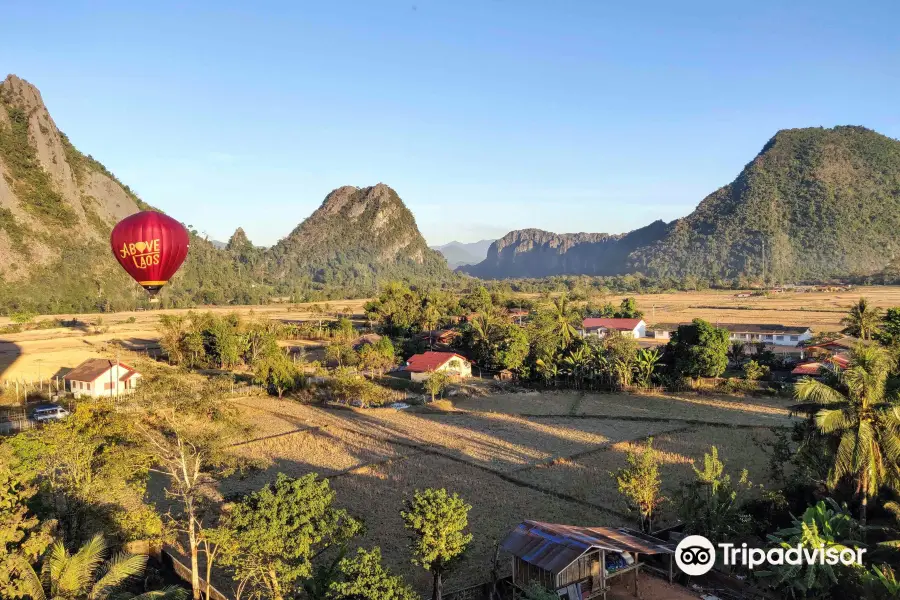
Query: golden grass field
x=519, y=456
x=48, y=352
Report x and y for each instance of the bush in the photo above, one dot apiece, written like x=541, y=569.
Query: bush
x=23, y=316
x=753, y=371
x=348, y=387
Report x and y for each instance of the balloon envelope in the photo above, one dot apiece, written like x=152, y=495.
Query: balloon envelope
x=150, y=246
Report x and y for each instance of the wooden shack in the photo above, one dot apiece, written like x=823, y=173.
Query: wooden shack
x=578, y=562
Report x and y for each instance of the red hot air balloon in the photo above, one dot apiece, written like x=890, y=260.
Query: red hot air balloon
x=150, y=246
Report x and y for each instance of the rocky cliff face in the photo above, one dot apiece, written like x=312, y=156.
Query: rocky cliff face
x=537, y=253
x=51, y=195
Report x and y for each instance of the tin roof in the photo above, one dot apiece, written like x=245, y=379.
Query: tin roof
x=430, y=361
x=766, y=328
x=810, y=368
x=554, y=547
x=93, y=368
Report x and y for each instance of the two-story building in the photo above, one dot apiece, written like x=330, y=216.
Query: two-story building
x=777, y=335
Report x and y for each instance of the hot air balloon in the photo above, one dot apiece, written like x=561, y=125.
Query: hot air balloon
x=150, y=246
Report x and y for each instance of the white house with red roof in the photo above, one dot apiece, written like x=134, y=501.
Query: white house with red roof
x=599, y=327
x=420, y=366
x=98, y=377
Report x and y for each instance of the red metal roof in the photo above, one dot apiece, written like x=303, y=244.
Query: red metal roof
x=617, y=324
x=810, y=368
x=554, y=547
x=429, y=361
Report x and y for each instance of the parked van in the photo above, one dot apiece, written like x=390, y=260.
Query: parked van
x=49, y=412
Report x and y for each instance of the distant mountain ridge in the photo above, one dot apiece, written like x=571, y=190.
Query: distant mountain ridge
x=814, y=204
x=462, y=253
x=538, y=253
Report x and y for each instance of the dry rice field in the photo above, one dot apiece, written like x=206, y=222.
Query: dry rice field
x=48, y=352
x=513, y=457
x=822, y=311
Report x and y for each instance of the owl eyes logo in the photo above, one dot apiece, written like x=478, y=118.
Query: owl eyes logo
x=695, y=555
x=144, y=254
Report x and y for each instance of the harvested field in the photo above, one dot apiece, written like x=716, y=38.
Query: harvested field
x=820, y=310
x=684, y=407
x=497, y=507
x=547, y=465
x=589, y=478
x=497, y=441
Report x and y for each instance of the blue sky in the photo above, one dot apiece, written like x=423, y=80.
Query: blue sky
x=485, y=116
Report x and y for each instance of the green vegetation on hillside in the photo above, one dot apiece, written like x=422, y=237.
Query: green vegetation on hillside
x=28, y=180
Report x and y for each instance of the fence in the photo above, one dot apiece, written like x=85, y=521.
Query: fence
x=22, y=388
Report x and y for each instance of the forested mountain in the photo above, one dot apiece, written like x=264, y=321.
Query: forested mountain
x=814, y=204
x=462, y=253
x=357, y=237
x=58, y=206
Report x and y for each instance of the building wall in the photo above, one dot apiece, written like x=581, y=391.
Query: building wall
x=775, y=339
x=463, y=370
x=107, y=384
x=638, y=332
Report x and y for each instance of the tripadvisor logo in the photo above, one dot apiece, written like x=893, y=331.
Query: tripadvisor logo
x=695, y=555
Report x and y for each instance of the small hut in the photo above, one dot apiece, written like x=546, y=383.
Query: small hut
x=578, y=562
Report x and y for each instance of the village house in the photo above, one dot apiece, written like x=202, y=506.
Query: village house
x=579, y=562
x=777, y=335
x=600, y=327
x=98, y=377
x=420, y=366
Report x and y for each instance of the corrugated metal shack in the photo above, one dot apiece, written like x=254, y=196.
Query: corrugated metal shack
x=578, y=562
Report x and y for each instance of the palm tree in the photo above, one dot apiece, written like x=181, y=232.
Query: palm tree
x=482, y=331
x=86, y=575
x=564, y=315
x=862, y=320
x=856, y=406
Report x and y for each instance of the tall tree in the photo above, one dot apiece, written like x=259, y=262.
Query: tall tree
x=187, y=428
x=700, y=349
x=23, y=537
x=279, y=530
x=640, y=483
x=437, y=521
x=565, y=318
x=363, y=577
x=275, y=370
x=858, y=407
x=862, y=320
